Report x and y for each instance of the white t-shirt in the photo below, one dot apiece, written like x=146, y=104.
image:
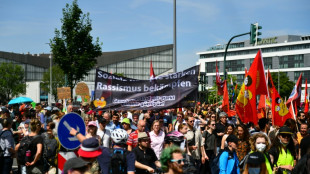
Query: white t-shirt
x=105, y=137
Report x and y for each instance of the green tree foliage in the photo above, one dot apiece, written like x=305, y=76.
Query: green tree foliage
x=212, y=93
x=58, y=80
x=72, y=47
x=286, y=86
x=12, y=82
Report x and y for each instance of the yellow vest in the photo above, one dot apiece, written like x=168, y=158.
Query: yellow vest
x=268, y=166
x=285, y=158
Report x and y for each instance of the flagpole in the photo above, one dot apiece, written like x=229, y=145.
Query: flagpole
x=198, y=93
x=294, y=116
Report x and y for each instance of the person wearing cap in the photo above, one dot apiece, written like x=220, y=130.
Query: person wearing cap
x=228, y=161
x=146, y=159
x=89, y=152
x=255, y=164
x=282, y=152
x=92, y=131
x=220, y=128
x=75, y=166
x=103, y=133
x=126, y=126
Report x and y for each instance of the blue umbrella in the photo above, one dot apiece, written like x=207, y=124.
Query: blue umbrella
x=19, y=100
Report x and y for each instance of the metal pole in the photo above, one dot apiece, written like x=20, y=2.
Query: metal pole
x=174, y=37
x=224, y=70
x=51, y=81
x=279, y=76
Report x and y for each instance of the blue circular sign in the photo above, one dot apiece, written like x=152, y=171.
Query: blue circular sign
x=71, y=120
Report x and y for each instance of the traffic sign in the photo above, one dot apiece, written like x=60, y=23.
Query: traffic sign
x=71, y=120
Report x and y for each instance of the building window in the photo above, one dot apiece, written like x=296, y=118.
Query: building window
x=211, y=67
x=305, y=75
x=293, y=61
x=235, y=65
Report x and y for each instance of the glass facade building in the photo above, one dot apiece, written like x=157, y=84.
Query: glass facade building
x=133, y=63
x=288, y=53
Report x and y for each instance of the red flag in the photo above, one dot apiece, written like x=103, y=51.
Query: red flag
x=270, y=84
x=254, y=84
x=261, y=107
x=152, y=74
x=219, y=82
x=279, y=109
x=296, y=93
x=306, y=98
x=225, y=103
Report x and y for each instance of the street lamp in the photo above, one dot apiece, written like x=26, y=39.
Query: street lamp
x=174, y=37
x=51, y=81
x=51, y=90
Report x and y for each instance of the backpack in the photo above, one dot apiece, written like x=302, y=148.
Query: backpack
x=50, y=150
x=2, y=150
x=189, y=164
x=23, y=147
x=118, y=162
x=215, y=168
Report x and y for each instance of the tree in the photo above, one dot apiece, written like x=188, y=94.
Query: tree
x=286, y=86
x=12, y=82
x=212, y=93
x=72, y=47
x=58, y=80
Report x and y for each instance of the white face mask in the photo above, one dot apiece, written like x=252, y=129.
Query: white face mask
x=261, y=147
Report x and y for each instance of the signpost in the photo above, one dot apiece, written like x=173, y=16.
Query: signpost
x=71, y=120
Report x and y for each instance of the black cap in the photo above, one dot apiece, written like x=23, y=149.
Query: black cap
x=232, y=138
x=256, y=158
x=285, y=130
x=74, y=163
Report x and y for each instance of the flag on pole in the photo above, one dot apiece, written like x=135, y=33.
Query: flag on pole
x=296, y=93
x=254, y=84
x=279, y=109
x=219, y=82
x=261, y=107
x=152, y=74
x=225, y=103
x=270, y=84
x=306, y=98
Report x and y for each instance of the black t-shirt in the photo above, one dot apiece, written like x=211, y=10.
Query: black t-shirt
x=33, y=148
x=219, y=127
x=147, y=157
x=304, y=145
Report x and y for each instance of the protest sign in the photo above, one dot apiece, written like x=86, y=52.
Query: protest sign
x=172, y=90
x=64, y=93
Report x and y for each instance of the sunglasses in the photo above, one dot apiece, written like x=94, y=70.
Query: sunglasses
x=212, y=116
x=178, y=161
x=212, y=124
x=285, y=135
x=192, y=121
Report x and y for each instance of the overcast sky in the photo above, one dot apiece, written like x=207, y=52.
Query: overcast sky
x=27, y=25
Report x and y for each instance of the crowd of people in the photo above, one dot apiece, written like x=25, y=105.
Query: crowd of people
x=202, y=139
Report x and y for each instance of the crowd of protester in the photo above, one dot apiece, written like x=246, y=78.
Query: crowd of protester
x=201, y=139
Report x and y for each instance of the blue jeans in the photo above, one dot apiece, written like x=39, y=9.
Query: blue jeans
x=6, y=165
